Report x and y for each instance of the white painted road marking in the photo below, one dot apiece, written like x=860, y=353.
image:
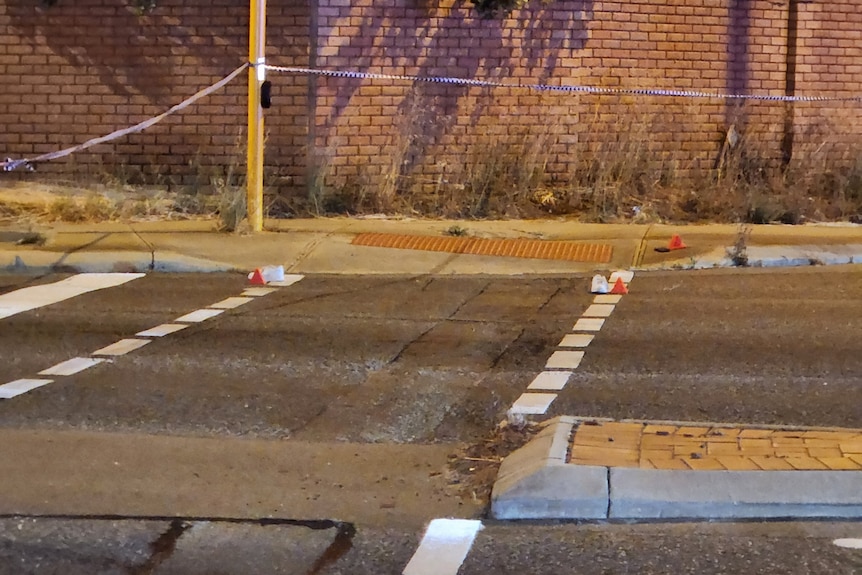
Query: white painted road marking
x=588, y=324
x=19, y=386
x=90, y=282
x=626, y=276
x=533, y=403
x=606, y=299
x=592, y=320
x=30, y=298
x=576, y=340
x=565, y=360
x=200, y=315
x=848, y=543
x=231, y=302
x=122, y=347
x=258, y=291
x=599, y=310
x=72, y=366
x=289, y=280
x=444, y=547
x=162, y=330
x=551, y=380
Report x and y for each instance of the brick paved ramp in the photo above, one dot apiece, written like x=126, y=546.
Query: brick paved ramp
x=714, y=448
x=517, y=247
x=582, y=469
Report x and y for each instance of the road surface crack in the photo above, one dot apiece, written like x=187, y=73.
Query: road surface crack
x=407, y=345
x=162, y=548
x=341, y=544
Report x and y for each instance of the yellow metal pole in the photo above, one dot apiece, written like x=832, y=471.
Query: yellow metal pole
x=256, y=76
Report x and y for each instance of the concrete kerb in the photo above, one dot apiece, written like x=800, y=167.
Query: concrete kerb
x=536, y=482
x=653, y=494
x=767, y=256
x=108, y=261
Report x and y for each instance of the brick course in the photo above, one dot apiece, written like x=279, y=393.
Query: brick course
x=85, y=68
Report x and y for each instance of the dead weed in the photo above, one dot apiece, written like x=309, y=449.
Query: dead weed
x=473, y=468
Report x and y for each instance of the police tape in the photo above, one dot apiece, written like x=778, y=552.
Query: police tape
x=562, y=88
x=9, y=164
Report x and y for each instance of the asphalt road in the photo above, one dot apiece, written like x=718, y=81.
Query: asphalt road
x=425, y=360
x=434, y=363
x=31, y=546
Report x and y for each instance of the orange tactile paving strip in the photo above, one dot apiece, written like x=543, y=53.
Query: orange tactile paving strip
x=649, y=446
x=516, y=248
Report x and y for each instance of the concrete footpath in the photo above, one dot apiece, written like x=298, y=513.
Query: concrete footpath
x=479, y=247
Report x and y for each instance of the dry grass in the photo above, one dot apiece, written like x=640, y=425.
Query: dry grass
x=622, y=169
x=614, y=168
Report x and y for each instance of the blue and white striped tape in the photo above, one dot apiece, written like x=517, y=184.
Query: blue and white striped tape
x=9, y=164
x=569, y=89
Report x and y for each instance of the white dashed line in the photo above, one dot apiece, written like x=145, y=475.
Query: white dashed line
x=606, y=299
x=533, y=403
x=19, y=386
x=576, y=340
x=258, y=291
x=72, y=366
x=588, y=324
x=564, y=360
x=444, y=547
x=626, y=276
x=84, y=283
x=162, y=330
x=122, y=347
x=289, y=280
x=592, y=320
x=848, y=543
x=30, y=298
x=551, y=380
x=232, y=302
x=200, y=315
x=599, y=310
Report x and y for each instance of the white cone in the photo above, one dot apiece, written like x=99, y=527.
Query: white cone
x=600, y=285
x=273, y=274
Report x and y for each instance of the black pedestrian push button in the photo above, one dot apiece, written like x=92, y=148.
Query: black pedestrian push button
x=266, y=95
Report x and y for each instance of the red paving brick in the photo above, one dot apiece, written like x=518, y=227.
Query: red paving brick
x=518, y=248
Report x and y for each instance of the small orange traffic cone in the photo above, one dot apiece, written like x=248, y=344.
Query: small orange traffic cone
x=676, y=243
x=620, y=287
x=256, y=278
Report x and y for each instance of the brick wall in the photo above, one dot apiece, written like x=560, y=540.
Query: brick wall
x=85, y=68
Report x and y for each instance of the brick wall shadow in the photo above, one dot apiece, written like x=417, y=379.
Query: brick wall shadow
x=442, y=41
x=105, y=41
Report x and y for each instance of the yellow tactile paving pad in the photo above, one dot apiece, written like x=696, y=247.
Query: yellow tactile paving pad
x=516, y=248
x=649, y=446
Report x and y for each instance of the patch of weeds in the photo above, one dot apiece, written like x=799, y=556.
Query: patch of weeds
x=472, y=470
x=739, y=252
x=759, y=215
x=93, y=208
x=232, y=205
x=456, y=231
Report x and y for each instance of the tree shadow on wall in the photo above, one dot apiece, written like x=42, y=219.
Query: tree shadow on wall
x=430, y=41
x=132, y=55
